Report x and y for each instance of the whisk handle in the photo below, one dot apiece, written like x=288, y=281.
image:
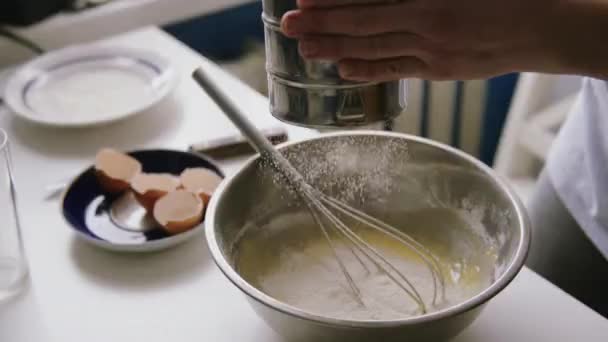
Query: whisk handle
x=255, y=137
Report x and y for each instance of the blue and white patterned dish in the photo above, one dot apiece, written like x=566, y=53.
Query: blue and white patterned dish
x=90, y=84
x=119, y=223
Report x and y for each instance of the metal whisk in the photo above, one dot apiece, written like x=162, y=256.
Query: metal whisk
x=326, y=209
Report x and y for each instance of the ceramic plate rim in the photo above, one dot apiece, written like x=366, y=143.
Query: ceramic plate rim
x=25, y=73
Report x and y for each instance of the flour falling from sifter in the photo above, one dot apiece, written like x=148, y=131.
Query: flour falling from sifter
x=352, y=169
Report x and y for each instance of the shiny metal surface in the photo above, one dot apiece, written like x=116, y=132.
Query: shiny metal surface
x=335, y=106
x=311, y=93
x=283, y=60
x=275, y=9
x=450, y=175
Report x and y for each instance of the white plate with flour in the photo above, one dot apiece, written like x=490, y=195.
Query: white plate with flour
x=88, y=85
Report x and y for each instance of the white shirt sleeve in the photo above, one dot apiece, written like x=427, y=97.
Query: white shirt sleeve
x=578, y=162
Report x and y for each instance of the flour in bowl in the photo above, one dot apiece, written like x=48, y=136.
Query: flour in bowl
x=288, y=259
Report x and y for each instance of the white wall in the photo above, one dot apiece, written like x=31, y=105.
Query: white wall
x=440, y=120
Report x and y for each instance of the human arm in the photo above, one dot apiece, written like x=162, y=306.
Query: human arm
x=443, y=39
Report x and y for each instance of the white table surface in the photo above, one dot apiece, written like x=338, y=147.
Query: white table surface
x=80, y=293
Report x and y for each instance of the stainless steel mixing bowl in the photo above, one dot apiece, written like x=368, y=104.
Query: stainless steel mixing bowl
x=404, y=173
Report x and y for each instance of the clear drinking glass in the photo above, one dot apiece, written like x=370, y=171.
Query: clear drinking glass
x=13, y=266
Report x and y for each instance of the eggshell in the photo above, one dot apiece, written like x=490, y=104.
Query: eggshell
x=114, y=170
x=179, y=211
x=149, y=187
x=200, y=181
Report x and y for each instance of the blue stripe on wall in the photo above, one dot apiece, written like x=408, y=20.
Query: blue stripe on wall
x=457, y=113
x=425, y=108
x=221, y=35
x=498, y=99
